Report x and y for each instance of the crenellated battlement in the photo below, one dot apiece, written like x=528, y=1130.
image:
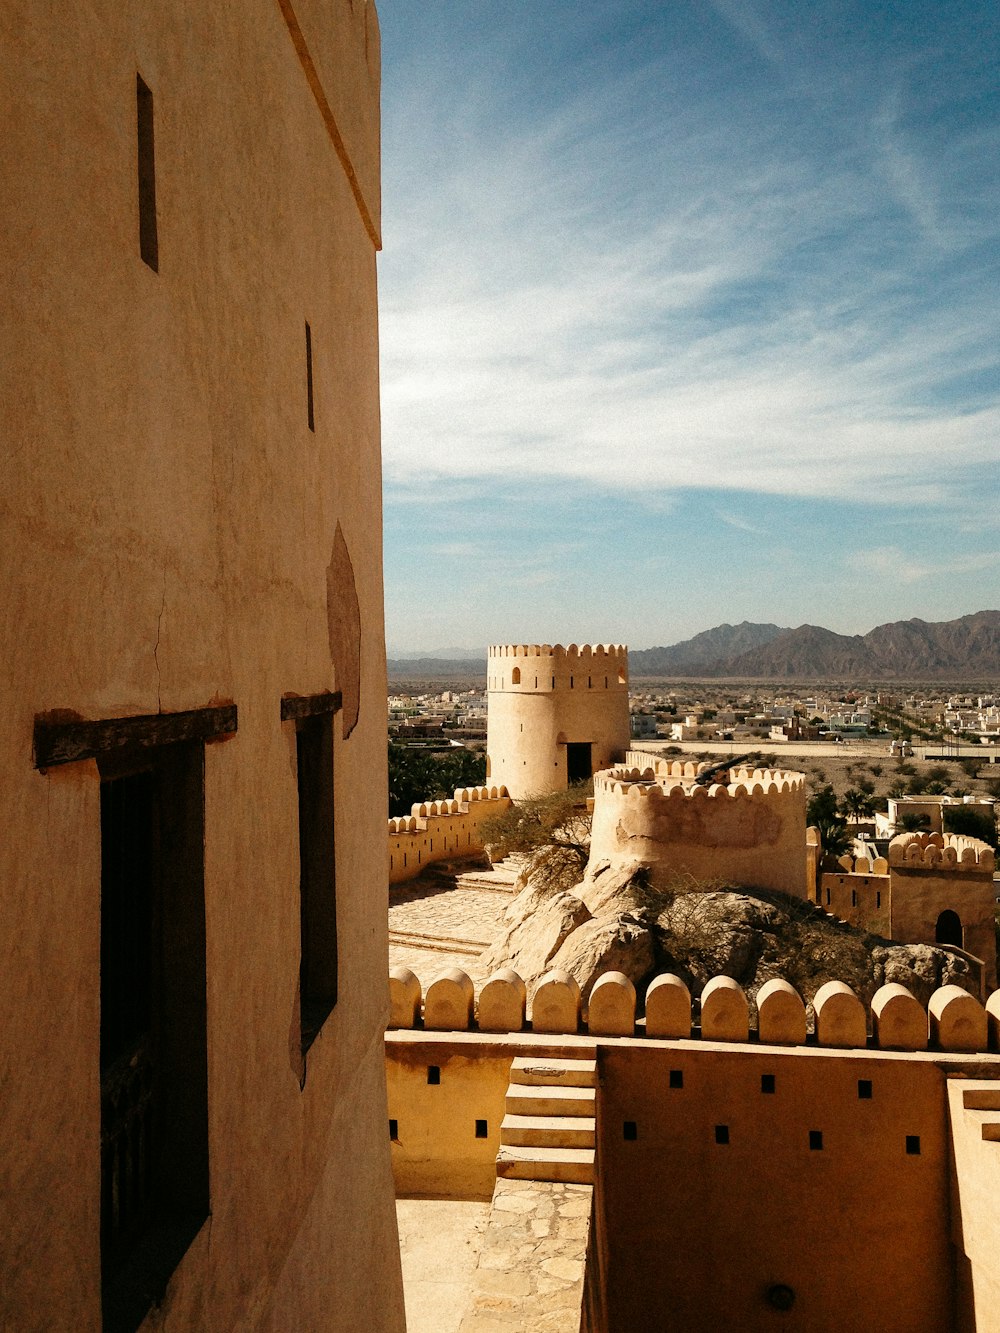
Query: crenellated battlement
x=606, y=653
x=441, y=830
x=750, y=830
x=954, y=1020
x=937, y=851
x=678, y=780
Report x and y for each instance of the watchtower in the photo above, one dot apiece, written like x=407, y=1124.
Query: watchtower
x=555, y=715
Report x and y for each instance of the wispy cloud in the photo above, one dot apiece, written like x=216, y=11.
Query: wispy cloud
x=890, y=563
x=738, y=321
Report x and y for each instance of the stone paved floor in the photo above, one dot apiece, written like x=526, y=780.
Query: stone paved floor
x=439, y=1241
x=436, y=923
x=530, y=1272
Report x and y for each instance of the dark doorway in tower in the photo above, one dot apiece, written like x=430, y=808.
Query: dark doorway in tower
x=578, y=767
x=949, y=928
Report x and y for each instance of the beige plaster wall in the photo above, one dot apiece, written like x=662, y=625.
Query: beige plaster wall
x=436, y=1153
x=530, y=722
x=696, y=1232
x=920, y=895
x=751, y=832
x=862, y=900
x=975, y=1215
x=168, y=520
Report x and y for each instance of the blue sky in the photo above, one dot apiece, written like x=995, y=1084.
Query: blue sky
x=689, y=314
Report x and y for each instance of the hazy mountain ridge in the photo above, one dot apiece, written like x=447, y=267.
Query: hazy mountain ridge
x=903, y=649
x=898, y=650
x=711, y=646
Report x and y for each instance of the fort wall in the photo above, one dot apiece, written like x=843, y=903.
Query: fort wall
x=441, y=830
x=187, y=529
x=546, y=705
x=904, y=895
x=851, y=1146
x=750, y=830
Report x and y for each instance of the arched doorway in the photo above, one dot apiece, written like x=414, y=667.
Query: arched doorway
x=949, y=928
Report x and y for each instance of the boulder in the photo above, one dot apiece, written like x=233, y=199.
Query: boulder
x=611, y=943
x=535, y=925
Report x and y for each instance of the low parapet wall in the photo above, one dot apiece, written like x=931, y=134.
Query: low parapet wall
x=441, y=830
x=936, y=851
x=750, y=830
x=896, y=1020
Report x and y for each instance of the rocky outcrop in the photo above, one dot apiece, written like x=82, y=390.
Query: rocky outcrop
x=534, y=927
x=616, y=921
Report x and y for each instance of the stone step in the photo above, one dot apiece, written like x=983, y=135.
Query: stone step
x=547, y=1131
x=572, y=1165
x=534, y=1100
x=981, y=1099
x=554, y=1071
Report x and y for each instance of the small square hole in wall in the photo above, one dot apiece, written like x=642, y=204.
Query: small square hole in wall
x=482, y=1129
x=816, y=1140
x=864, y=1089
x=677, y=1078
x=767, y=1082
x=722, y=1133
x=433, y=1074
x=913, y=1145
x=394, y=1130
x=629, y=1131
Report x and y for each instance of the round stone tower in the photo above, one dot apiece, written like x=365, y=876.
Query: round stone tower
x=555, y=715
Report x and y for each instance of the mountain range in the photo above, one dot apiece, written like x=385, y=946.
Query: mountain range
x=966, y=648
x=900, y=650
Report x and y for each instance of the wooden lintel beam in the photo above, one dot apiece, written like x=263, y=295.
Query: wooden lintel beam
x=67, y=742
x=295, y=707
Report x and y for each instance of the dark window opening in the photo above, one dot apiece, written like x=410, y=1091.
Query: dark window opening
x=864, y=1089
x=578, y=761
x=148, y=245
x=854, y=897
x=434, y=1074
x=948, y=929
x=722, y=1133
x=878, y=898
x=394, y=1130
x=153, y=1050
x=828, y=897
x=482, y=1129
x=629, y=1131
x=816, y=1140
x=317, y=875
x=767, y=1082
x=913, y=1145
x=310, y=405
x=677, y=1078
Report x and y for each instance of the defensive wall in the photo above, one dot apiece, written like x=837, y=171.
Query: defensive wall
x=554, y=715
x=750, y=830
x=717, y=1120
x=932, y=888
x=441, y=830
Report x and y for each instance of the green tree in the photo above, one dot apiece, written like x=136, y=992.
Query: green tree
x=423, y=775
x=911, y=823
x=551, y=833
x=970, y=823
x=822, y=813
x=857, y=804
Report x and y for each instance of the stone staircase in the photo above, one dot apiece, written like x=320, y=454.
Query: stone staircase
x=548, y=1129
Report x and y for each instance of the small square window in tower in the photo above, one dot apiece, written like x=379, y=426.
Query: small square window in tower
x=578, y=761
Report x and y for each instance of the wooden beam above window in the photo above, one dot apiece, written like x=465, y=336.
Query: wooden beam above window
x=295, y=707
x=59, y=741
